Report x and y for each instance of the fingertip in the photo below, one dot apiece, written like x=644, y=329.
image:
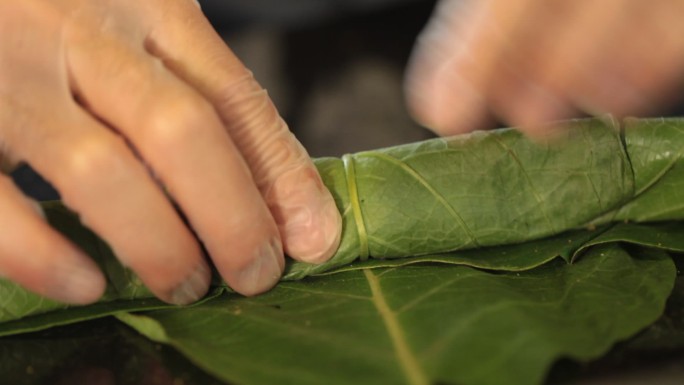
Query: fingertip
x=78, y=283
x=178, y=275
x=316, y=239
x=194, y=287
x=85, y=289
x=261, y=273
x=73, y=279
x=421, y=96
x=35, y=256
x=533, y=108
x=305, y=212
x=419, y=79
x=446, y=110
x=440, y=99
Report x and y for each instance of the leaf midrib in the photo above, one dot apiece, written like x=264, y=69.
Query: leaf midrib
x=407, y=360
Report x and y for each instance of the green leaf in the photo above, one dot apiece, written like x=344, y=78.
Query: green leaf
x=422, y=324
x=655, y=151
x=667, y=334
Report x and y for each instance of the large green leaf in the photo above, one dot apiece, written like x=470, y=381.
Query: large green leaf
x=72, y=354
x=422, y=324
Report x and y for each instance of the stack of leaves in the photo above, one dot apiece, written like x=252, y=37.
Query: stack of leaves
x=477, y=259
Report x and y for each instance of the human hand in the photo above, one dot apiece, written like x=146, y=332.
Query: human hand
x=124, y=103
x=531, y=61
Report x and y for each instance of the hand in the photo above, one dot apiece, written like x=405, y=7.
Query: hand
x=531, y=61
x=123, y=104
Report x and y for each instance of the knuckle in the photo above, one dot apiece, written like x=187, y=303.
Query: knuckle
x=92, y=156
x=174, y=122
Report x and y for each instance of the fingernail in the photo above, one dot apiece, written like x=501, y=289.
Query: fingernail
x=193, y=288
x=313, y=233
x=306, y=214
x=264, y=271
x=80, y=283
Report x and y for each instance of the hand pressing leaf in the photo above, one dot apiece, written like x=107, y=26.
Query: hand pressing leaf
x=450, y=195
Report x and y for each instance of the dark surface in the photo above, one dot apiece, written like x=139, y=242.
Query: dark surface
x=101, y=352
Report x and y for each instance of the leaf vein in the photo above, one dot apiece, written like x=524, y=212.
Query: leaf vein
x=533, y=189
x=407, y=359
x=419, y=178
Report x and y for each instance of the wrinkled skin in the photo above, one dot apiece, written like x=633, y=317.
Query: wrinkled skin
x=526, y=62
x=129, y=107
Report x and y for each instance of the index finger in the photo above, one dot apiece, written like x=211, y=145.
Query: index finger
x=306, y=215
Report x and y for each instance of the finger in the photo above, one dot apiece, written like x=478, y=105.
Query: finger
x=99, y=177
x=306, y=215
x=592, y=82
x=564, y=66
x=439, y=94
x=518, y=91
x=573, y=62
x=94, y=170
x=454, y=59
x=631, y=77
x=33, y=255
x=179, y=135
